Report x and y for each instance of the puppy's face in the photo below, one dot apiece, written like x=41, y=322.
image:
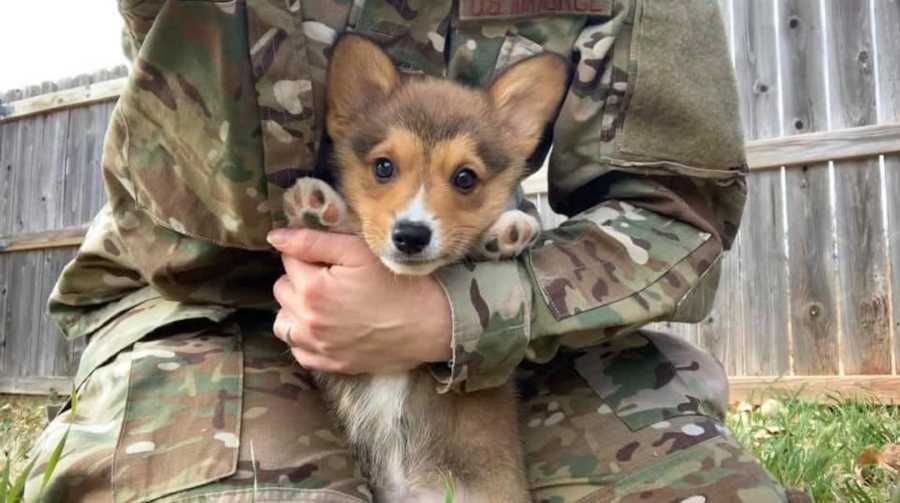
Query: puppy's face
x=426, y=164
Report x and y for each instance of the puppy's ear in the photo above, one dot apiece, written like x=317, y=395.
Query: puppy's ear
x=359, y=73
x=527, y=96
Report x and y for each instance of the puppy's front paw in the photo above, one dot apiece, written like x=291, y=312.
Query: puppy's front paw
x=510, y=235
x=312, y=203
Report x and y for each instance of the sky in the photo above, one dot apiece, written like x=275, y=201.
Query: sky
x=43, y=40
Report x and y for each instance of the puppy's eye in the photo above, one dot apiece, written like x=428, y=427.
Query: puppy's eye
x=384, y=169
x=464, y=180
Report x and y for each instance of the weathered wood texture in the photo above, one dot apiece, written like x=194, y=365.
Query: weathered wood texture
x=803, y=149
x=62, y=238
x=50, y=187
x=812, y=272
x=862, y=253
x=887, y=37
x=753, y=389
x=80, y=91
x=761, y=345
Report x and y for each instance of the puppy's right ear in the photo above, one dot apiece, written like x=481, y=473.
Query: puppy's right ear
x=359, y=73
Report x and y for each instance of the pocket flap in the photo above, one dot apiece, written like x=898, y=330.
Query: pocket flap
x=646, y=378
x=183, y=415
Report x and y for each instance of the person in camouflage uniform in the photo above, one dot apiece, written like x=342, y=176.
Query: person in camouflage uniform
x=184, y=393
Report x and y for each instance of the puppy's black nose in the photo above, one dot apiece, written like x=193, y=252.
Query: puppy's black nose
x=410, y=237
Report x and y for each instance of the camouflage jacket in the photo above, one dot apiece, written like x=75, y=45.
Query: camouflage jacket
x=223, y=110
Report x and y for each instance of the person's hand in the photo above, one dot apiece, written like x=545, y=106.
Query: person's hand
x=343, y=311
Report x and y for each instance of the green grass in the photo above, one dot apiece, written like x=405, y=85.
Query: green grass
x=21, y=421
x=817, y=447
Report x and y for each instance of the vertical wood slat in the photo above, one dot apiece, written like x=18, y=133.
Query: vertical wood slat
x=8, y=150
x=813, y=275
x=862, y=254
x=722, y=330
x=21, y=351
x=23, y=271
x=13, y=140
x=764, y=349
x=83, y=194
x=58, y=356
x=887, y=35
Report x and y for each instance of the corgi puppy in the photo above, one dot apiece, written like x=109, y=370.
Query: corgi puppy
x=427, y=170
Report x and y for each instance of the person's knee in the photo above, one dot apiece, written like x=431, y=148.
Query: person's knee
x=700, y=374
x=645, y=377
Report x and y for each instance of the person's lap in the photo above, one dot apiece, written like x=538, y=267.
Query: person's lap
x=637, y=420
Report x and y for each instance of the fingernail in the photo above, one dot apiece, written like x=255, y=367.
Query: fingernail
x=278, y=237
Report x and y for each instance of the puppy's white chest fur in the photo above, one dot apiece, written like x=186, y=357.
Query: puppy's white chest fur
x=377, y=415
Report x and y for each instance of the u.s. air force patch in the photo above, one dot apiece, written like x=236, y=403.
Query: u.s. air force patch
x=507, y=9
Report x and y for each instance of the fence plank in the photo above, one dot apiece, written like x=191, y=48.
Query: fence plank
x=68, y=237
x=721, y=332
x=813, y=275
x=15, y=385
x=886, y=389
x=58, y=355
x=887, y=33
x=8, y=144
x=849, y=143
x=862, y=253
x=58, y=100
x=764, y=348
x=40, y=179
x=83, y=193
x=9, y=134
x=20, y=354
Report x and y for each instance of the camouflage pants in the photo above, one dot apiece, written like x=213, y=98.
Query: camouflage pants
x=222, y=413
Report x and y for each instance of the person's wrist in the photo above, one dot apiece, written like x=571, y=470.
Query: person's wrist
x=438, y=335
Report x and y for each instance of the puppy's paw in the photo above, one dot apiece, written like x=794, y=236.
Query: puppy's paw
x=312, y=203
x=510, y=235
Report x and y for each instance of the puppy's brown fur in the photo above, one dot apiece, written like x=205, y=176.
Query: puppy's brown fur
x=409, y=437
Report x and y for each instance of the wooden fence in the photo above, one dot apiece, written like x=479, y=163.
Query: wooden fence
x=50, y=186
x=809, y=295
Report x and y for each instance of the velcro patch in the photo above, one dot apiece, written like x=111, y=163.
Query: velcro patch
x=508, y=9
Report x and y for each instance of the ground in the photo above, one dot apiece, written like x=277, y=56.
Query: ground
x=21, y=420
x=839, y=451
x=836, y=450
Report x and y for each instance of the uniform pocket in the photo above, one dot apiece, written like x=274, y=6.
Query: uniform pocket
x=645, y=378
x=182, y=416
x=681, y=100
x=605, y=256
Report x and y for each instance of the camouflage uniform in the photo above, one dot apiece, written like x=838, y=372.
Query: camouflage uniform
x=186, y=396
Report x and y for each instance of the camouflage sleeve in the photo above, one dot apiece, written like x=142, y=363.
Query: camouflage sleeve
x=648, y=163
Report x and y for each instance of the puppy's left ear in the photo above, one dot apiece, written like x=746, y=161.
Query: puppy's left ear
x=527, y=96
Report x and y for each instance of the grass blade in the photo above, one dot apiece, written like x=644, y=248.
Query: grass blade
x=53, y=461
x=57, y=452
x=74, y=396
x=18, y=489
x=4, y=480
x=450, y=495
